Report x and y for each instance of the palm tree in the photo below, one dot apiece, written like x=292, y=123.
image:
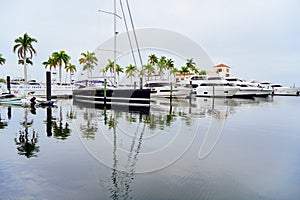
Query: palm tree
x=28, y=61
x=89, y=60
x=184, y=70
x=192, y=66
x=190, y=63
x=161, y=66
x=119, y=70
x=110, y=66
x=50, y=62
x=173, y=71
x=169, y=65
x=149, y=69
x=60, y=58
x=70, y=68
x=194, y=69
x=130, y=72
x=152, y=59
x=24, y=46
x=2, y=60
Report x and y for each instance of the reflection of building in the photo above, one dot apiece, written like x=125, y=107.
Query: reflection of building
x=222, y=70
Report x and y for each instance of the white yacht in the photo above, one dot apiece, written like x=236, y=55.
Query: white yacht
x=215, y=87
x=248, y=90
x=285, y=90
x=163, y=89
x=38, y=89
x=279, y=89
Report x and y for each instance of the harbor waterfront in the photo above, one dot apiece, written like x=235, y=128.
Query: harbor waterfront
x=198, y=148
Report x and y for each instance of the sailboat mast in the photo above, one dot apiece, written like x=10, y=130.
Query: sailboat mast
x=115, y=40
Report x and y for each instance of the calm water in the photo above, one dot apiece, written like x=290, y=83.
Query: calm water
x=196, y=149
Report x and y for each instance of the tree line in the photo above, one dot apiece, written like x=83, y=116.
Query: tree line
x=155, y=67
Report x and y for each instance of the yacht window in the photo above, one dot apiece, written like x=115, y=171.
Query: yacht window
x=198, y=78
x=214, y=78
x=276, y=86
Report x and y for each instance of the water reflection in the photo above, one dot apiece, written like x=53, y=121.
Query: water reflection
x=128, y=142
x=30, y=120
x=120, y=181
x=170, y=128
x=89, y=128
x=61, y=130
x=26, y=145
x=131, y=136
x=3, y=123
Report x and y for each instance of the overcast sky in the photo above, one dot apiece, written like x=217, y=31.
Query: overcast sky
x=259, y=39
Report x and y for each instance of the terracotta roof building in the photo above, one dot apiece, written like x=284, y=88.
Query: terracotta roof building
x=222, y=70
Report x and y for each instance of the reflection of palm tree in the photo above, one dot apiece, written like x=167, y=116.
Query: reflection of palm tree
x=25, y=146
x=71, y=114
x=89, y=130
x=61, y=131
x=171, y=115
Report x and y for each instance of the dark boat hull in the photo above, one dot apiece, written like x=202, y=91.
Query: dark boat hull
x=114, y=97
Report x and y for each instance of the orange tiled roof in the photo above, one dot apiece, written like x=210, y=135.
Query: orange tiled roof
x=221, y=65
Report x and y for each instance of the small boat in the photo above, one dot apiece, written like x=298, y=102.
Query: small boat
x=16, y=101
x=25, y=102
x=162, y=89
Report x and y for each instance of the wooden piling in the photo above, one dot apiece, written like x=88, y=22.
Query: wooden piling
x=48, y=86
x=8, y=84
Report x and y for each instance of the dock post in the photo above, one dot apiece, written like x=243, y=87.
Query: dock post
x=48, y=86
x=8, y=84
x=104, y=92
x=141, y=83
